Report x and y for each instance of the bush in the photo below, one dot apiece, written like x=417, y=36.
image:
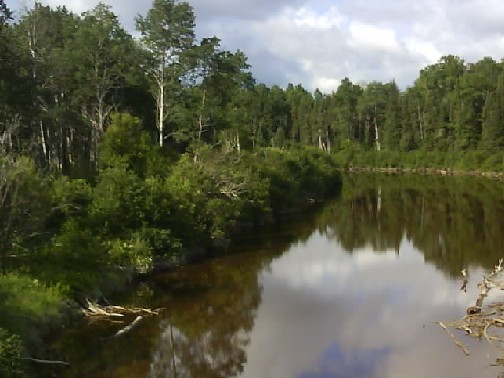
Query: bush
x=24, y=201
x=11, y=349
x=76, y=258
x=69, y=198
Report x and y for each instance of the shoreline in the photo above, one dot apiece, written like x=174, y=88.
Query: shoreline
x=426, y=171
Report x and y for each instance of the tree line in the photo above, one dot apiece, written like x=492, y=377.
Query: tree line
x=62, y=75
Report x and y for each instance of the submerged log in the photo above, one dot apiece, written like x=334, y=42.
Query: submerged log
x=45, y=362
x=128, y=328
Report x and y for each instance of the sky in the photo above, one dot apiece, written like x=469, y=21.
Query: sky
x=317, y=43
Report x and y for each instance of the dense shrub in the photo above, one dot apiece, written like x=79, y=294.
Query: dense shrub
x=10, y=355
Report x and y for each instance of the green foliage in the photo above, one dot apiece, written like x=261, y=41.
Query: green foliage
x=125, y=139
x=296, y=176
x=212, y=195
x=117, y=201
x=28, y=307
x=135, y=252
x=69, y=198
x=11, y=349
x=74, y=258
x=24, y=201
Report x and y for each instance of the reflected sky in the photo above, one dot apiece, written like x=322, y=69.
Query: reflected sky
x=327, y=313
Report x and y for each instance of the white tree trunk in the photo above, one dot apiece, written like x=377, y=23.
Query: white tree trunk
x=200, y=120
x=420, y=123
x=377, y=136
x=161, y=113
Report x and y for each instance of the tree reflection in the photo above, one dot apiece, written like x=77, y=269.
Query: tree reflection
x=210, y=312
x=210, y=316
x=454, y=221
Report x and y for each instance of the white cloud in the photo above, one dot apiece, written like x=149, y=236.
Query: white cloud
x=367, y=36
x=307, y=17
x=426, y=50
x=325, y=84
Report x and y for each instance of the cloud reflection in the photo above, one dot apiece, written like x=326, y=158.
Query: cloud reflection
x=337, y=363
x=324, y=309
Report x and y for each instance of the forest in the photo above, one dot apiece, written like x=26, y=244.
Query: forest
x=122, y=152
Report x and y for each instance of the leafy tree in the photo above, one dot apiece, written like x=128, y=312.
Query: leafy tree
x=125, y=140
x=217, y=77
x=345, y=107
x=278, y=112
x=5, y=13
x=436, y=86
x=14, y=87
x=301, y=103
x=492, y=137
x=371, y=107
x=167, y=34
x=410, y=132
x=474, y=86
x=48, y=33
x=392, y=124
x=101, y=65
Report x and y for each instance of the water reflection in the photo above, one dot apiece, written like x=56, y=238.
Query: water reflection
x=354, y=291
x=208, y=324
x=453, y=221
x=345, y=309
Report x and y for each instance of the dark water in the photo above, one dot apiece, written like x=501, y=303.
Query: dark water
x=354, y=290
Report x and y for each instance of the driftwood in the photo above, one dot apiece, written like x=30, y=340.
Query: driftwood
x=94, y=310
x=480, y=320
x=117, y=314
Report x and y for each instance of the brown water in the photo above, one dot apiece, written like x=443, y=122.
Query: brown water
x=354, y=290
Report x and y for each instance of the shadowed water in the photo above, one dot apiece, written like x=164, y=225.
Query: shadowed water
x=354, y=290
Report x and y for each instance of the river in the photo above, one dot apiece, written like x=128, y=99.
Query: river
x=353, y=290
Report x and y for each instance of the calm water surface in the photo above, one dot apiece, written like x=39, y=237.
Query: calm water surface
x=354, y=290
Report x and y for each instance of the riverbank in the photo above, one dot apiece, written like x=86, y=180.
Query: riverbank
x=137, y=218
x=427, y=171
x=469, y=162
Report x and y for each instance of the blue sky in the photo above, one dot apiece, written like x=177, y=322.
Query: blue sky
x=319, y=42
